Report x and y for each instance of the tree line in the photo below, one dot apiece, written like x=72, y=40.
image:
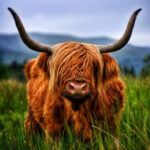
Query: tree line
x=15, y=70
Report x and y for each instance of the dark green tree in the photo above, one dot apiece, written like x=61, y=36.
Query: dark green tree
x=146, y=69
x=4, y=71
x=129, y=71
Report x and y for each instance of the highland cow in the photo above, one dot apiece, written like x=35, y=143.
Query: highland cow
x=74, y=83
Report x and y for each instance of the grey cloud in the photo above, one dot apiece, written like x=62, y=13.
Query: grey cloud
x=79, y=17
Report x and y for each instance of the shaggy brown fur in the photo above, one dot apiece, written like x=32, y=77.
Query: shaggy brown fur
x=47, y=76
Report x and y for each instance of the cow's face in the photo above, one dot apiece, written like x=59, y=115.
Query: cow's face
x=75, y=70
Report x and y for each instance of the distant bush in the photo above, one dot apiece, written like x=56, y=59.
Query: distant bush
x=128, y=71
x=146, y=69
x=13, y=70
x=4, y=74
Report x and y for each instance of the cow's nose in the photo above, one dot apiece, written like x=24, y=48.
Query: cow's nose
x=76, y=87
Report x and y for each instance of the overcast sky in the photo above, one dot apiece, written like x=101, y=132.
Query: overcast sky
x=79, y=17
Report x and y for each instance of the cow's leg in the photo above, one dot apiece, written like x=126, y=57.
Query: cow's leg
x=53, y=132
x=112, y=128
x=53, y=121
x=31, y=125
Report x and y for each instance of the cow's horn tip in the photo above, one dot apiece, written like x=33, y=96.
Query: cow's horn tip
x=9, y=8
x=138, y=10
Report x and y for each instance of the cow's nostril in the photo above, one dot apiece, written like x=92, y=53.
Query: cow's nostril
x=71, y=87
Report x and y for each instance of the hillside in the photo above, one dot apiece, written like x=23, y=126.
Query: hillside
x=13, y=49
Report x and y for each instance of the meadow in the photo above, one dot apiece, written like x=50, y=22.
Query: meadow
x=134, y=129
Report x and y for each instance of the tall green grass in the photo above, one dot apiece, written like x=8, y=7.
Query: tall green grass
x=134, y=130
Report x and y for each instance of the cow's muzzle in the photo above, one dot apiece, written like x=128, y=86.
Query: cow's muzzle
x=77, y=91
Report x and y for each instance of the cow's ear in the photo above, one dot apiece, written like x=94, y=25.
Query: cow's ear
x=110, y=68
x=27, y=68
x=42, y=61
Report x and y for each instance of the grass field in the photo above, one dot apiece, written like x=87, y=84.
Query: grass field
x=134, y=130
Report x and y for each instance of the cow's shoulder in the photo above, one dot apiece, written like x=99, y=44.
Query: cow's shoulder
x=35, y=67
x=28, y=67
x=110, y=68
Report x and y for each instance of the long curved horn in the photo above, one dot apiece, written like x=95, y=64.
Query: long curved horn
x=25, y=37
x=124, y=39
